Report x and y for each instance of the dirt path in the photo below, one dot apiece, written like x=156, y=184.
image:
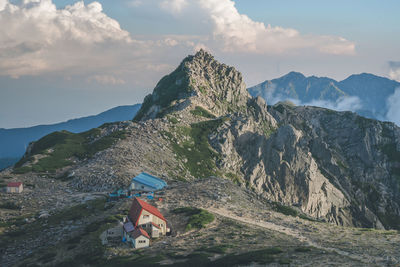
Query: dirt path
x=364, y=259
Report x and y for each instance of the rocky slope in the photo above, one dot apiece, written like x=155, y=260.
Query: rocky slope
x=200, y=121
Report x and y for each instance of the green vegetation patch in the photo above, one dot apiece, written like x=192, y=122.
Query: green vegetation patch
x=59, y=147
x=171, y=87
x=194, y=149
x=303, y=249
x=198, y=218
x=219, y=249
x=10, y=206
x=234, y=178
x=263, y=256
x=199, y=111
x=173, y=120
x=135, y=260
x=285, y=209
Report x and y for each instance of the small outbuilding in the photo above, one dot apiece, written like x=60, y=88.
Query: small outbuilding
x=146, y=182
x=112, y=235
x=137, y=236
x=15, y=187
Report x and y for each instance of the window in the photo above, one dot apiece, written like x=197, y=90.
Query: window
x=146, y=216
x=142, y=187
x=142, y=241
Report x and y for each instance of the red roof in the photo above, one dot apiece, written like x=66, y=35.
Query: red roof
x=138, y=206
x=14, y=184
x=138, y=232
x=155, y=225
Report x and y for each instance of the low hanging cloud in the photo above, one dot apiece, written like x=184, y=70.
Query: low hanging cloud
x=394, y=70
x=105, y=80
x=235, y=32
x=393, y=104
x=344, y=103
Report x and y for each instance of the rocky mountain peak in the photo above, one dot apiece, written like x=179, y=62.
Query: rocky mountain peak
x=199, y=80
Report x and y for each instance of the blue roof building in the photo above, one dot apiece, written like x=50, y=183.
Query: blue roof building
x=147, y=182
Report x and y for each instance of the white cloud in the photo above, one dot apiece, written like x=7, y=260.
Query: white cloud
x=345, y=103
x=81, y=40
x=173, y=6
x=35, y=37
x=393, y=104
x=394, y=72
x=106, y=80
x=3, y=4
x=136, y=3
x=235, y=32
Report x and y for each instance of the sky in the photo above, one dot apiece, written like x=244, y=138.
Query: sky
x=63, y=59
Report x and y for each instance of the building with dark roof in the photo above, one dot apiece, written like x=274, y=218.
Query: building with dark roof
x=147, y=182
x=137, y=236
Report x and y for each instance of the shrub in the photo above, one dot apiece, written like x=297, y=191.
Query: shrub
x=10, y=206
x=285, y=209
x=303, y=249
x=198, y=218
x=199, y=111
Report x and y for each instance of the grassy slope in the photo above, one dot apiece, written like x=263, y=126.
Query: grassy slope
x=195, y=150
x=59, y=147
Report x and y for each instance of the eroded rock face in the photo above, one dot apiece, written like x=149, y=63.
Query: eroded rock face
x=333, y=165
x=202, y=81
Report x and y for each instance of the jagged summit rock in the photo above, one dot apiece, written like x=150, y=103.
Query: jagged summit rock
x=199, y=80
x=333, y=166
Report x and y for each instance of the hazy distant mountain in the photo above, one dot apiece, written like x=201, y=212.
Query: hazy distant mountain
x=200, y=121
x=364, y=93
x=13, y=142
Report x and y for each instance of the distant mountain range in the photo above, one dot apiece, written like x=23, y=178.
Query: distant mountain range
x=366, y=94
x=13, y=142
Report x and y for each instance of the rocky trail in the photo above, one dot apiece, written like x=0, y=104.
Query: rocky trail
x=364, y=259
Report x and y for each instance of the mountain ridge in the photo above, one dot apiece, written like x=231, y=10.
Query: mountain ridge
x=326, y=163
x=371, y=91
x=278, y=175
x=14, y=141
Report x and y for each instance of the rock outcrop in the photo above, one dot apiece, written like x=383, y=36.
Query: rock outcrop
x=199, y=80
x=200, y=121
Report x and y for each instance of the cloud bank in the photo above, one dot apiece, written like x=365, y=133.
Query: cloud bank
x=394, y=72
x=37, y=38
x=345, y=103
x=393, y=104
x=235, y=32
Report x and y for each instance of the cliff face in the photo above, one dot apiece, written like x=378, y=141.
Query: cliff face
x=200, y=122
x=335, y=166
x=199, y=79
